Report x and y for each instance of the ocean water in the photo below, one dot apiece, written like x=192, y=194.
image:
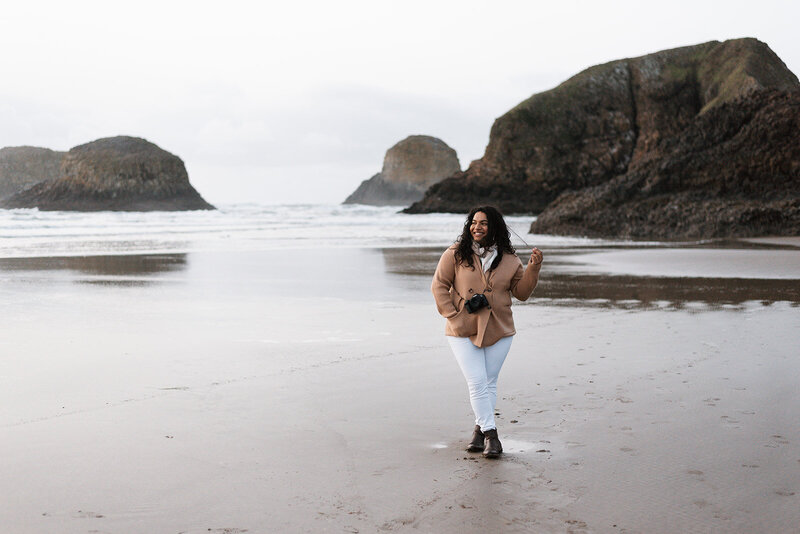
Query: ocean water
x=34, y=233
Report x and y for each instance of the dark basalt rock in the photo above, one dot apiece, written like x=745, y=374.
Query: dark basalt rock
x=409, y=168
x=24, y=166
x=116, y=173
x=733, y=172
x=614, y=123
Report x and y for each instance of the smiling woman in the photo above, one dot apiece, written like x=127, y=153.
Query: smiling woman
x=472, y=287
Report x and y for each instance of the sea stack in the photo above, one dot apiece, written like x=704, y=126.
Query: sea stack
x=116, y=173
x=24, y=166
x=409, y=168
x=620, y=142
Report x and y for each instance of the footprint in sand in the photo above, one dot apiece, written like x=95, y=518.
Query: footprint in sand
x=777, y=441
x=400, y=522
x=733, y=423
x=574, y=524
x=88, y=515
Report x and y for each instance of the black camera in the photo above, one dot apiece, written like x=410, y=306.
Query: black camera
x=476, y=302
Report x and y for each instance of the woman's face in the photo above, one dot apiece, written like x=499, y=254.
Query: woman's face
x=479, y=227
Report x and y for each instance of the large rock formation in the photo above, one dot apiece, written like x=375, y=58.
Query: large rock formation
x=618, y=119
x=115, y=173
x=735, y=171
x=24, y=166
x=409, y=168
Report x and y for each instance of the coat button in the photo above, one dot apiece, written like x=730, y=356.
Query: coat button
x=470, y=290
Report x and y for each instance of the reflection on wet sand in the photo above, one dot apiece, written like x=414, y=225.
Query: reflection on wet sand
x=570, y=277
x=116, y=270
x=646, y=291
x=562, y=284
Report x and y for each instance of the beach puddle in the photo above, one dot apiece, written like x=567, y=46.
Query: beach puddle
x=519, y=446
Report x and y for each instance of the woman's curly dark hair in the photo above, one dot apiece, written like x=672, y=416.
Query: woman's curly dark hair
x=497, y=235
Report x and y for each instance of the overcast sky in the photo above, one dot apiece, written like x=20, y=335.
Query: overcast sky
x=298, y=101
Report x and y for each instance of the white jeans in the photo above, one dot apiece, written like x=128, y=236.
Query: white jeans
x=481, y=366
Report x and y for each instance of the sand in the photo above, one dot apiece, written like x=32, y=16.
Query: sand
x=244, y=392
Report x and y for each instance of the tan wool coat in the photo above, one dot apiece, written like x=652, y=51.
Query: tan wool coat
x=454, y=283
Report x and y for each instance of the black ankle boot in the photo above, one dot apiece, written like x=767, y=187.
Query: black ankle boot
x=476, y=444
x=492, y=448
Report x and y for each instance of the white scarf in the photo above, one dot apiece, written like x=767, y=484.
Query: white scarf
x=487, y=255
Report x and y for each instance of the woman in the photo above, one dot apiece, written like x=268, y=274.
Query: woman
x=472, y=287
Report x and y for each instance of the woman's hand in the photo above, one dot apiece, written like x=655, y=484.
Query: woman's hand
x=536, y=259
x=523, y=286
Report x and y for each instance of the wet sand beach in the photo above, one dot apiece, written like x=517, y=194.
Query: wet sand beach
x=649, y=389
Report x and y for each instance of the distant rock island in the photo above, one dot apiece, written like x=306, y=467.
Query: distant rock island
x=24, y=166
x=699, y=141
x=115, y=173
x=409, y=168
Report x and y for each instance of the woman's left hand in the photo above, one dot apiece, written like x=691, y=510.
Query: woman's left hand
x=536, y=258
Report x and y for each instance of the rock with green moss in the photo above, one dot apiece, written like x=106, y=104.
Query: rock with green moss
x=732, y=172
x=604, y=122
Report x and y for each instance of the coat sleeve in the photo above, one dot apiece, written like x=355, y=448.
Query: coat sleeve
x=524, y=282
x=443, y=280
